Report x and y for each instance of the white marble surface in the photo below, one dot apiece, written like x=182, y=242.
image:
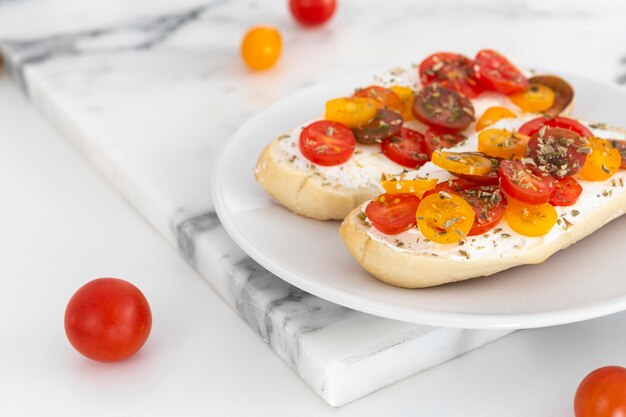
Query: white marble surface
x=148, y=92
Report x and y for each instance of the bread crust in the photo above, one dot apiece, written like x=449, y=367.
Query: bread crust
x=418, y=270
x=303, y=192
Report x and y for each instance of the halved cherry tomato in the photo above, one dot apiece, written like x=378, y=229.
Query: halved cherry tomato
x=406, y=148
x=533, y=126
x=530, y=219
x=327, y=143
x=502, y=143
x=603, y=161
x=351, y=111
x=437, y=138
x=621, y=147
x=560, y=152
x=384, y=96
x=602, y=393
x=492, y=115
x=487, y=201
x=407, y=96
x=393, y=213
x=526, y=183
x=498, y=73
x=563, y=92
x=566, y=193
x=442, y=107
x=492, y=178
x=536, y=98
x=445, y=218
x=450, y=70
x=462, y=162
x=385, y=123
x=418, y=186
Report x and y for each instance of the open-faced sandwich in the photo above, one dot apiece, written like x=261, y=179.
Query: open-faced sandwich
x=327, y=167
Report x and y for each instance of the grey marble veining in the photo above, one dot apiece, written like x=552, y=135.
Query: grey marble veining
x=149, y=96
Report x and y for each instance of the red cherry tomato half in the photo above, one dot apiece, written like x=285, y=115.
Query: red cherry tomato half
x=393, y=213
x=566, y=193
x=450, y=70
x=407, y=148
x=437, y=138
x=602, y=393
x=108, y=320
x=621, y=147
x=487, y=201
x=386, y=123
x=533, y=126
x=492, y=178
x=560, y=152
x=498, y=73
x=525, y=182
x=442, y=107
x=327, y=143
x=312, y=12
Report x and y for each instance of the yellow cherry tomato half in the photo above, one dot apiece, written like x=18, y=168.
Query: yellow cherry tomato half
x=530, y=219
x=492, y=115
x=467, y=163
x=407, y=96
x=603, y=161
x=417, y=187
x=502, y=143
x=444, y=218
x=536, y=98
x=261, y=47
x=351, y=111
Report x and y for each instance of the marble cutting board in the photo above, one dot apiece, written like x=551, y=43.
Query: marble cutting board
x=148, y=93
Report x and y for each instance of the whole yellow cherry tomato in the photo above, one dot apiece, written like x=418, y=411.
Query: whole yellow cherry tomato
x=351, y=111
x=407, y=96
x=261, y=47
x=530, y=219
x=536, y=98
x=603, y=161
x=417, y=187
x=444, y=218
x=462, y=162
x=492, y=115
x=502, y=143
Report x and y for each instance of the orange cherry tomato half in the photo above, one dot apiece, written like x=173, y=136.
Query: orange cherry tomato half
x=502, y=143
x=445, y=218
x=108, y=320
x=560, y=152
x=327, y=143
x=312, y=12
x=462, y=162
x=602, y=393
x=418, y=186
x=437, y=138
x=566, y=193
x=526, y=183
x=492, y=115
x=453, y=71
x=407, y=96
x=530, y=219
x=533, y=126
x=536, y=98
x=603, y=161
x=384, y=96
x=393, y=213
x=442, y=107
x=498, y=73
x=261, y=47
x=407, y=148
x=351, y=111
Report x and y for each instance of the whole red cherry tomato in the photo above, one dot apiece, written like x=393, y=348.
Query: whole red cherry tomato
x=108, y=320
x=312, y=12
x=602, y=393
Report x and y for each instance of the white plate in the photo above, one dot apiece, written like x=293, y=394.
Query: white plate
x=584, y=281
